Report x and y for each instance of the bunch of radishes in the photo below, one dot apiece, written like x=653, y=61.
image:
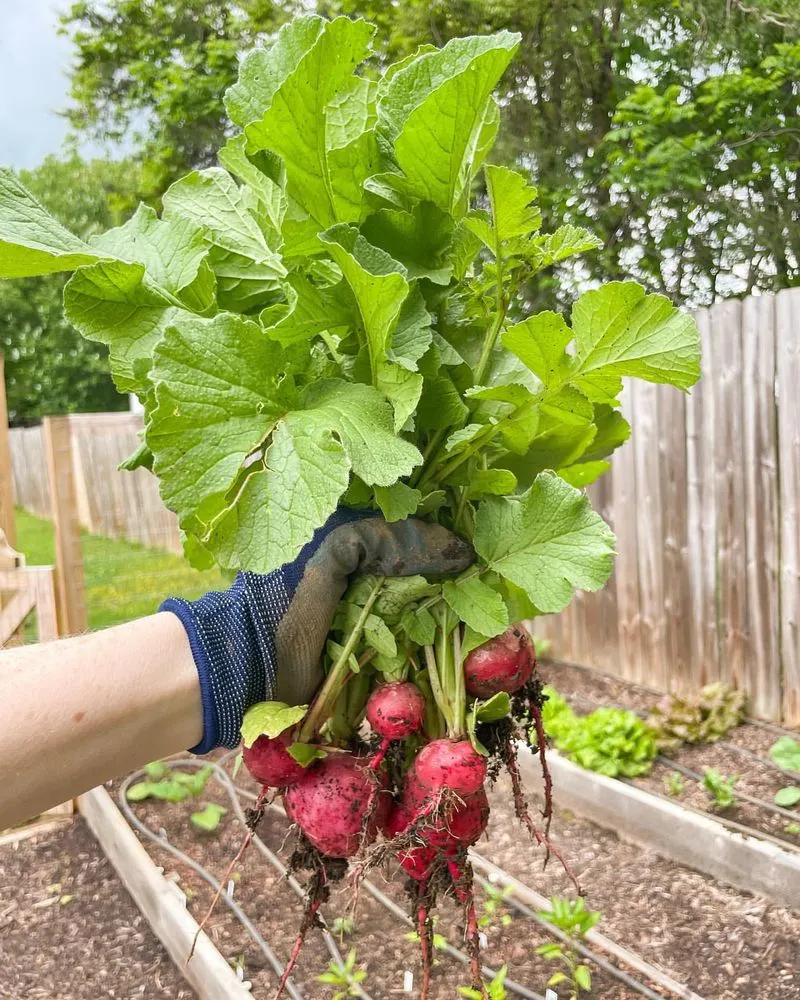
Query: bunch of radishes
x=401, y=792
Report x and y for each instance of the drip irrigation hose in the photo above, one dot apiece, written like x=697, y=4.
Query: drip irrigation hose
x=594, y=937
x=794, y=775
x=398, y=912
x=564, y=938
x=447, y=948
x=747, y=721
x=730, y=824
x=752, y=799
x=162, y=842
x=233, y=792
x=665, y=981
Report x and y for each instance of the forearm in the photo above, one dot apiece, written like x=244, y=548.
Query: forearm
x=79, y=711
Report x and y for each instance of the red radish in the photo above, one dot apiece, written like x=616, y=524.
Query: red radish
x=417, y=861
x=446, y=764
x=503, y=664
x=396, y=710
x=269, y=763
x=459, y=827
x=339, y=805
x=450, y=830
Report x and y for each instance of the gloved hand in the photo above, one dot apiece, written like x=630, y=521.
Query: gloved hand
x=263, y=638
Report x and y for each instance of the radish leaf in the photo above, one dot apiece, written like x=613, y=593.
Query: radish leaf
x=619, y=330
x=477, y=605
x=431, y=114
x=31, y=240
x=398, y=501
x=548, y=542
x=270, y=719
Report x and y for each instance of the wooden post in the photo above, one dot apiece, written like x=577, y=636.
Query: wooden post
x=69, y=557
x=7, y=526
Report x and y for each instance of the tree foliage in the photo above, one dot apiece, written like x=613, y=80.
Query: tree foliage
x=668, y=129
x=49, y=367
x=155, y=71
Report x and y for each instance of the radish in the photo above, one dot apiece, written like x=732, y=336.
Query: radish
x=339, y=805
x=505, y=663
x=396, y=710
x=446, y=764
x=270, y=764
x=447, y=828
x=459, y=827
x=417, y=860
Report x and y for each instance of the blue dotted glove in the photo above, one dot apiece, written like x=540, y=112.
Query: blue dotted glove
x=264, y=637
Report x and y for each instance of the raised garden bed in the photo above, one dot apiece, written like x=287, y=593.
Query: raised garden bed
x=744, y=751
x=721, y=942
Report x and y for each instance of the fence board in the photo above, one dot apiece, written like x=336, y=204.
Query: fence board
x=787, y=319
x=112, y=503
x=651, y=667
x=626, y=570
x=69, y=556
x=677, y=592
x=604, y=651
x=726, y=332
x=701, y=507
x=7, y=526
x=760, y=466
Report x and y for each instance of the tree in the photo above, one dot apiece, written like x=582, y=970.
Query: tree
x=599, y=99
x=709, y=177
x=665, y=128
x=155, y=71
x=49, y=367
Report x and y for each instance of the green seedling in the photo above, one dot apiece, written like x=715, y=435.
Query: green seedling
x=572, y=917
x=673, y=783
x=720, y=788
x=345, y=976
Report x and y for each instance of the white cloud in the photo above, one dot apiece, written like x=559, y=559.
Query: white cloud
x=33, y=83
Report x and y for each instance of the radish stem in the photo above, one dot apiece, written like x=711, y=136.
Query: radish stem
x=460, y=684
x=436, y=687
x=339, y=672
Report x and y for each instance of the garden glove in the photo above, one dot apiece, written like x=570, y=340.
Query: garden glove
x=263, y=638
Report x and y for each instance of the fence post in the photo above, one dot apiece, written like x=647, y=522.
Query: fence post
x=71, y=594
x=7, y=526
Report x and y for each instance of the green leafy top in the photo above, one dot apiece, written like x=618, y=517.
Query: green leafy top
x=323, y=319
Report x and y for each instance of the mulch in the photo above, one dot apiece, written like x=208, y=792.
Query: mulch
x=70, y=931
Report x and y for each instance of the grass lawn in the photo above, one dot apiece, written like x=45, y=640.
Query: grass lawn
x=123, y=581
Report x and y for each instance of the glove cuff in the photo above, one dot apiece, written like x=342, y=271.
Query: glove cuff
x=183, y=611
x=232, y=639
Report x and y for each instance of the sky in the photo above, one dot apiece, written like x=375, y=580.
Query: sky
x=33, y=84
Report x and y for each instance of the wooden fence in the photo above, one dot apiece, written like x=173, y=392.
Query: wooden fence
x=112, y=503
x=705, y=500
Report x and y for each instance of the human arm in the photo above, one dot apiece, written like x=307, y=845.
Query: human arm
x=80, y=711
